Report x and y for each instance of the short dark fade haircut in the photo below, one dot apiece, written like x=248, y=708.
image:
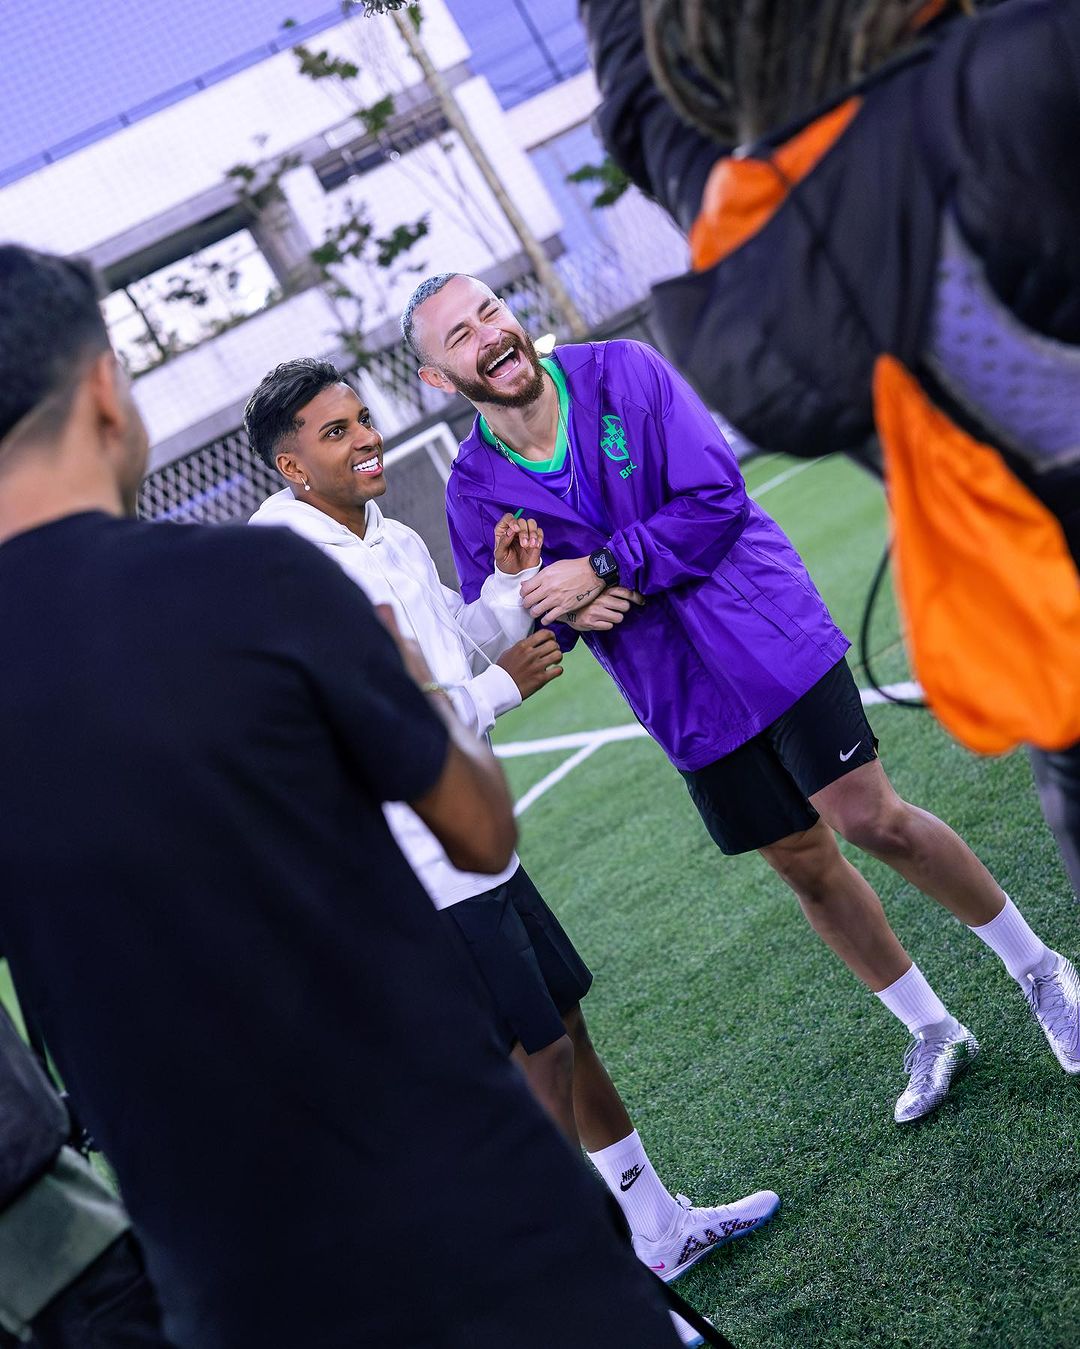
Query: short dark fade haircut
x=270, y=415
x=50, y=325
x=424, y=291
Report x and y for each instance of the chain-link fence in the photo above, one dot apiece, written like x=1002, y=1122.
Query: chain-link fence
x=220, y=482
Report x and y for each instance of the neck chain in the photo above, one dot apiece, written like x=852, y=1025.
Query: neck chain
x=572, y=484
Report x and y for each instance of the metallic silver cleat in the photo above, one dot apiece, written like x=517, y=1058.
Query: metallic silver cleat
x=932, y=1067
x=1054, y=999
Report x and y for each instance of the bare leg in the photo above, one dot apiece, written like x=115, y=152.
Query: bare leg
x=598, y=1107
x=550, y=1075
x=839, y=905
x=662, y=1225
x=863, y=807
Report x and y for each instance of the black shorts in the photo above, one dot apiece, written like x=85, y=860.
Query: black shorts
x=758, y=794
x=529, y=964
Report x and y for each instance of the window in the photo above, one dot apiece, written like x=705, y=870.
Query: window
x=365, y=153
x=185, y=303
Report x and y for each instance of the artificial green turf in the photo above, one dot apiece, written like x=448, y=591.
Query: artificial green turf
x=750, y=1057
x=7, y=996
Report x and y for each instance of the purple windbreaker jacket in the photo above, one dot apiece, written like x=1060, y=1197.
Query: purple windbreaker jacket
x=732, y=632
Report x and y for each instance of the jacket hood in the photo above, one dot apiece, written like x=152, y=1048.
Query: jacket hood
x=285, y=509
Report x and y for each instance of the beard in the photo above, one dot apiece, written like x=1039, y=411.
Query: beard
x=480, y=391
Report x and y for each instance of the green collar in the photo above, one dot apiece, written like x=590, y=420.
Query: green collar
x=558, y=459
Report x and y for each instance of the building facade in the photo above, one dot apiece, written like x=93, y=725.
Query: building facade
x=285, y=203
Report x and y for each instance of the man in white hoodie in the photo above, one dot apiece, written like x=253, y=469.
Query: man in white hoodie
x=308, y=424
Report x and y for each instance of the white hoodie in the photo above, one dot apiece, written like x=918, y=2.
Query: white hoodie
x=392, y=565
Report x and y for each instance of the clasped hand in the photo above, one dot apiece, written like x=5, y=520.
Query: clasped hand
x=570, y=590
x=602, y=613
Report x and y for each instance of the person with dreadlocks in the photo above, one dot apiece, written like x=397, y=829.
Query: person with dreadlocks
x=892, y=250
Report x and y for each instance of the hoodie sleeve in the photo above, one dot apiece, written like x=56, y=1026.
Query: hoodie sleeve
x=706, y=509
x=480, y=700
x=486, y=627
x=496, y=619
x=491, y=625
x=470, y=532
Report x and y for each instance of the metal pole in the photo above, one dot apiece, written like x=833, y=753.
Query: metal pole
x=538, y=38
x=546, y=274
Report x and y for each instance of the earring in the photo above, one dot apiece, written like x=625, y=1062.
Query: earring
x=307, y=485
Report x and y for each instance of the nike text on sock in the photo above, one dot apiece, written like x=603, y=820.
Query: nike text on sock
x=1010, y=938
x=629, y=1175
x=911, y=999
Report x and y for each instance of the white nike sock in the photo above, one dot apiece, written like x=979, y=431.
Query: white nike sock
x=1010, y=938
x=630, y=1177
x=914, y=1002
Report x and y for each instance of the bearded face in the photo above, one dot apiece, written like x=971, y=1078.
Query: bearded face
x=508, y=374
x=472, y=343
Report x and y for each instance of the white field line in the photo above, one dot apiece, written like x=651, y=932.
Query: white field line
x=556, y=775
x=588, y=742
x=783, y=477
x=577, y=740
x=870, y=697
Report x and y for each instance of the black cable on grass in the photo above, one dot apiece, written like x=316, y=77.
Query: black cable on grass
x=864, y=637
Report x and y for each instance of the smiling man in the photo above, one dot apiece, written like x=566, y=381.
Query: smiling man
x=732, y=663
x=305, y=422
x=308, y=424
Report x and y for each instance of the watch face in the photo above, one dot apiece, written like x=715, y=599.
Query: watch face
x=603, y=562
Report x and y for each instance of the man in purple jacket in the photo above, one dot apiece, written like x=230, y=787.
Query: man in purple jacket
x=719, y=642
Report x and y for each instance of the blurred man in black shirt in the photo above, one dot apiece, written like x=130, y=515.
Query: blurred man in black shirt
x=248, y=993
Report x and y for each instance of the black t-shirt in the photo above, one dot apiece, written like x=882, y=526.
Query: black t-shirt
x=288, y=1062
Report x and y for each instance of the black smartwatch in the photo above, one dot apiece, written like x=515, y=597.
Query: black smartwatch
x=604, y=564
